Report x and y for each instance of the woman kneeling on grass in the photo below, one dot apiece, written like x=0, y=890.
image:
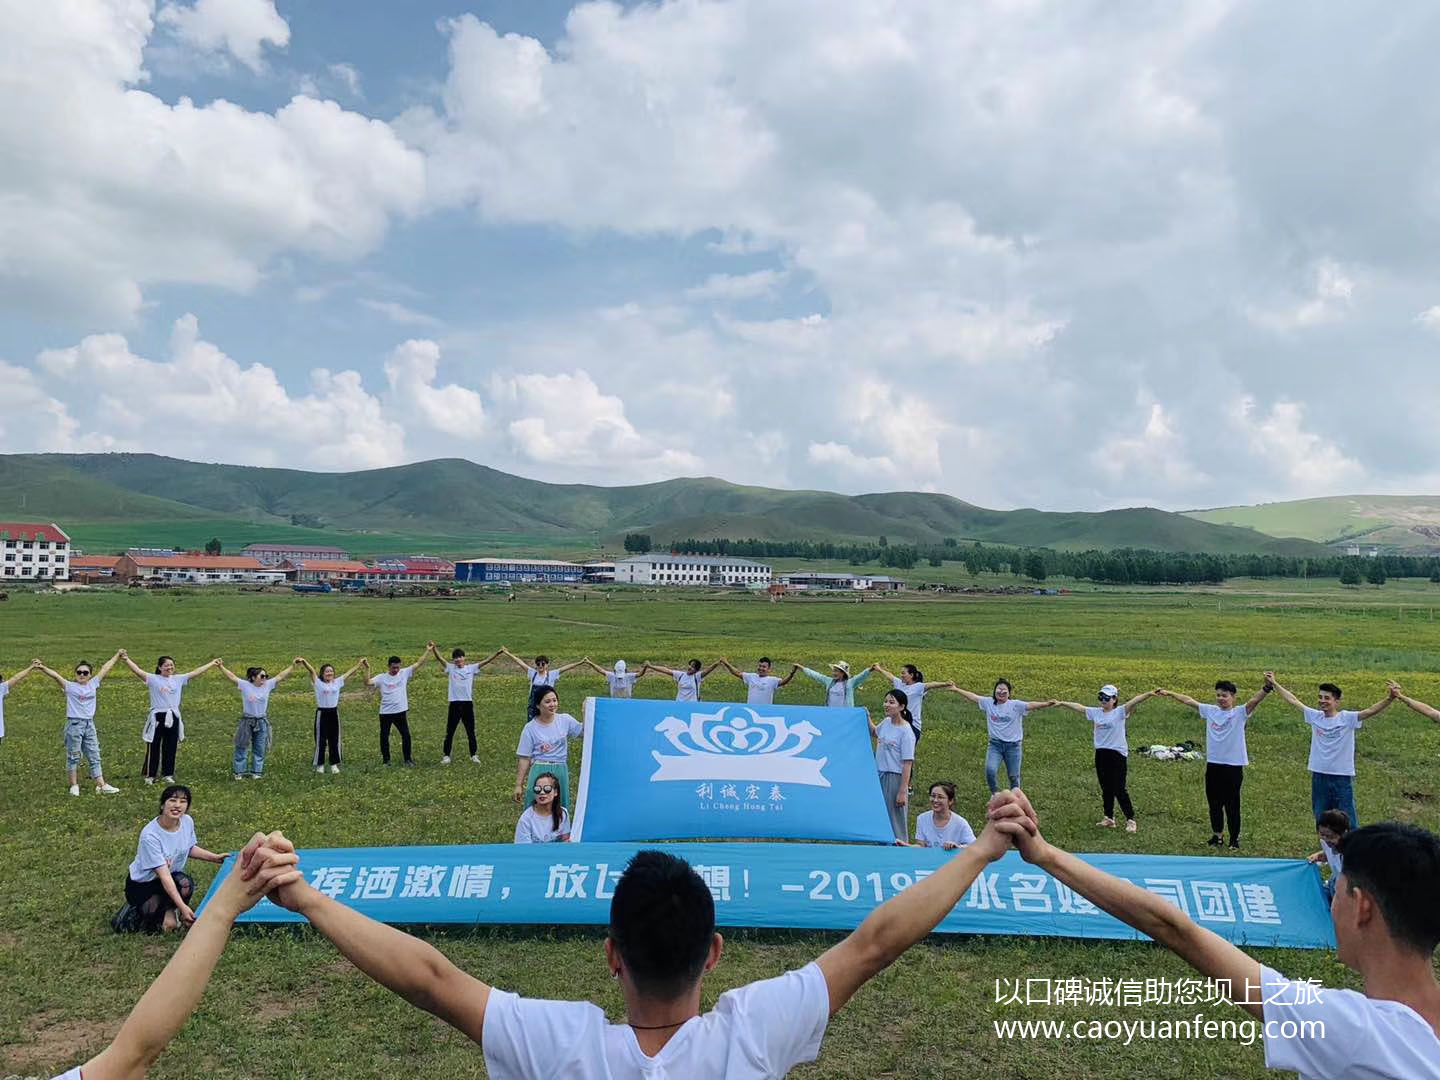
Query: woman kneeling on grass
x=545, y=747
x=545, y=822
x=157, y=890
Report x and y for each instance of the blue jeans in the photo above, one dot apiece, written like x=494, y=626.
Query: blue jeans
x=1329, y=791
x=1008, y=752
x=253, y=733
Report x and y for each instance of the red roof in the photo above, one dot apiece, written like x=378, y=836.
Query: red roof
x=29, y=530
x=332, y=566
x=94, y=562
x=198, y=562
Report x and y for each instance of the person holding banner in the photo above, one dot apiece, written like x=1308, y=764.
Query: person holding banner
x=81, y=699
x=164, y=729
x=327, y=686
x=913, y=683
x=252, y=734
x=839, y=686
x=895, y=759
x=760, y=685
x=1386, y=916
x=545, y=746
x=687, y=682
x=940, y=826
x=662, y=940
x=1111, y=752
x=1005, y=726
x=621, y=682
x=546, y=821
x=541, y=675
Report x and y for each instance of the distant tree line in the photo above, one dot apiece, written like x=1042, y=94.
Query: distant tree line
x=1125, y=566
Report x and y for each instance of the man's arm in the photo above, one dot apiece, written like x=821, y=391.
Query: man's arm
x=424, y=657
x=1256, y=698
x=905, y=919
x=1207, y=952
x=794, y=670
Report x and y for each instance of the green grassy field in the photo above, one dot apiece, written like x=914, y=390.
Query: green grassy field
x=1407, y=522
x=283, y=1004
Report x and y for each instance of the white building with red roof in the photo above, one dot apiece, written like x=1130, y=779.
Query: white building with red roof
x=33, y=552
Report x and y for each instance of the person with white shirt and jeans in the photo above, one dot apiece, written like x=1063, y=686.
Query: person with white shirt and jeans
x=164, y=729
x=395, y=702
x=1386, y=915
x=253, y=733
x=895, y=760
x=1332, y=746
x=460, y=692
x=1005, y=727
x=760, y=684
x=1225, y=753
x=81, y=738
x=661, y=943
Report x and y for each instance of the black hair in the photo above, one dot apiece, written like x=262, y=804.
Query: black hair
x=394, y=660
x=251, y=672
x=1338, y=820
x=456, y=653
x=542, y=660
x=904, y=702
x=85, y=663
x=767, y=660
x=557, y=805
x=999, y=683
x=161, y=663
x=946, y=786
x=320, y=672
x=695, y=665
x=171, y=790
x=915, y=672
x=537, y=694
x=1330, y=688
x=1399, y=867
x=1226, y=685
x=662, y=920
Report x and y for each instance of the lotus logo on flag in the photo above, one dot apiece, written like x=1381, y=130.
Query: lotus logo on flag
x=739, y=744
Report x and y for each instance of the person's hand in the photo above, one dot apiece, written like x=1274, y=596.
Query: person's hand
x=430, y=646
x=949, y=845
x=518, y=796
x=1393, y=687
x=1010, y=813
x=1269, y=678
x=222, y=856
x=258, y=870
x=992, y=842
x=184, y=914
x=122, y=654
x=365, y=662
x=299, y=660
x=1162, y=693
x=1319, y=856
x=36, y=663
x=901, y=798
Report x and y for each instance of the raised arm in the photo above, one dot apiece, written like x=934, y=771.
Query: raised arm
x=905, y=919
x=731, y=668
x=1256, y=698
x=1381, y=705
x=302, y=662
x=22, y=673
x=1183, y=699
x=230, y=675
x=140, y=673
x=105, y=667
x=202, y=669
x=596, y=667
x=572, y=665
x=705, y=674
x=1073, y=706
x=794, y=670
x=858, y=680
x=1206, y=952
x=1286, y=694
x=521, y=664
x=489, y=659
x=38, y=665
x=362, y=663
x=974, y=698
x=811, y=673
x=278, y=679
x=1130, y=705
x=882, y=671
x=1419, y=706
x=648, y=666
x=424, y=656
x=1032, y=706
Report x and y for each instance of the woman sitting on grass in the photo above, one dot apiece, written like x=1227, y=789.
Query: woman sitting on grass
x=157, y=890
x=544, y=822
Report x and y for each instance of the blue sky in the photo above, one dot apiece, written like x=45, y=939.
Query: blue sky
x=1050, y=254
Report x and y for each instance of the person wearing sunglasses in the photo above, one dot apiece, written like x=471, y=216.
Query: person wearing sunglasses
x=253, y=733
x=1111, y=753
x=81, y=738
x=544, y=821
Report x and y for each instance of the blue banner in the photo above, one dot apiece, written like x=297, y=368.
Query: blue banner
x=810, y=886
x=684, y=770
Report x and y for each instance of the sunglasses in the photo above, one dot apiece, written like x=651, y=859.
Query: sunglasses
x=82, y=671
x=1104, y=697
x=544, y=789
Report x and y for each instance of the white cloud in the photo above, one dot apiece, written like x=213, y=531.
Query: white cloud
x=1152, y=463
x=451, y=409
x=842, y=457
x=1430, y=318
x=398, y=313
x=738, y=286
x=239, y=27
x=1308, y=463
x=1333, y=293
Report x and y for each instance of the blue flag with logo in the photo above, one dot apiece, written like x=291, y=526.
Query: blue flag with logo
x=681, y=770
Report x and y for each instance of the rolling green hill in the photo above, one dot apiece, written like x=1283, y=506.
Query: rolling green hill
x=1393, y=522
x=109, y=501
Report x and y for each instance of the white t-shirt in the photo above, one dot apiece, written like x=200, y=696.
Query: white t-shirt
x=165, y=693
x=79, y=698
x=914, y=698
x=687, y=686
x=620, y=685
x=956, y=831
x=327, y=694
x=1225, y=734
x=755, y=1032
x=548, y=742
x=4, y=690
x=1364, y=1038
x=761, y=688
x=462, y=680
x=1004, y=720
x=1332, y=741
x=393, y=695
x=895, y=745
x=549, y=678
x=536, y=828
x=73, y=1074
x=1109, y=728
x=1333, y=858
x=160, y=847
x=255, y=700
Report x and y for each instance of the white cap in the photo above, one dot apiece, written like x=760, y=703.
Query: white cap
x=619, y=667
x=842, y=665
x=1109, y=690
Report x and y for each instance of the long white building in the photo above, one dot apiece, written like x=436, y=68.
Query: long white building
x=693, y=570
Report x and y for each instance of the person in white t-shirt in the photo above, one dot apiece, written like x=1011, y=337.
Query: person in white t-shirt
x=1386, y=915
x=540, y=676
x=1332, y=745
x=1111, y=753
x=327, y=686
x=661, y=942
x=1225, y=753
x=393, y=685
x=620, y=680
x=1331, y=827
x=163, y=1009
x=545, y=745
x=545, y=821
x=1005, y=728
x=895, y=760
x=164, y=729
x=460, y=694
x=912, y=681
x=253, y=734
x=687, y=682
x=940, y=826
x=20, y=676
x=81, y=738
x=157, y=889
x=760, y=684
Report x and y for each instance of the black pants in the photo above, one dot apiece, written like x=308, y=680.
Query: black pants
x=160, y=751
x=327, y=736
x=401, y=721
x=151, y=901
x=1222, y=792
x=1110, y=769
x=461, y=712
x=916, y=729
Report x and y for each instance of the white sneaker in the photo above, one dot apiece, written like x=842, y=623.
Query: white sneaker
x=169, y=779
x=445, y=760
x=149, y=779
x=256, y=775
x=334, y=768
x=74, y=789
x=107, y=789
x=237, y=776
x=475, y=758
x=320, y=768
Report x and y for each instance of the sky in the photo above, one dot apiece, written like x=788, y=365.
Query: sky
x=1048, y=253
